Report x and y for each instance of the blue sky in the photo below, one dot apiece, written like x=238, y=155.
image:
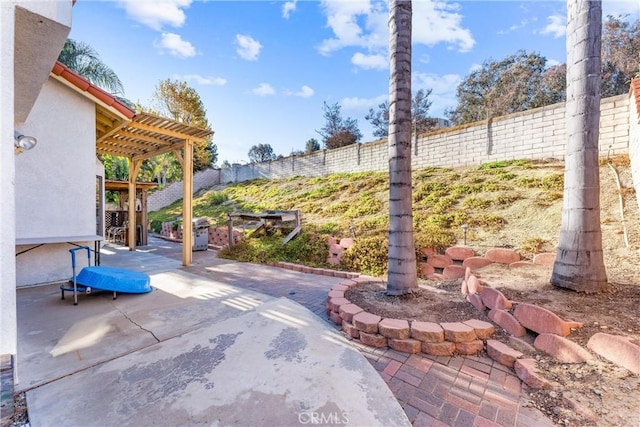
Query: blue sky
x=264, y=68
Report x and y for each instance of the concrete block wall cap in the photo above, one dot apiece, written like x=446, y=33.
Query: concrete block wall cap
x=336, y=302
x=408, y=345
x=347, y=311
x=427, y=331
x=459, y=253
x=502, y=353
x=350, y=330
x=426, y=269
x=542, y=321
x=483, y=329
x=502, y=255
x=445, y=348
x=476, y=262
x=453, y=272
x=428, y=251
x=561, y=349
x=522, y=264
x=373, y=340
x=476, y=301
x=336, y=294
x=458, y=332
x=527, y=371
x=473, y=285
x=545, y=258
x=394, y=328
x=469, y=348
x=507, y=322
x=494, y=299
x=366, y=322
x=617, y=349
x=439, y=261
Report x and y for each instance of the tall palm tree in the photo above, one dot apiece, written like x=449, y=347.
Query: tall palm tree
x=83, y=60
x=402, y=277
x=579, y=263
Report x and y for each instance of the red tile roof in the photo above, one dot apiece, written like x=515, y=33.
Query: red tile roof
x=634, y=90
x=94, y=91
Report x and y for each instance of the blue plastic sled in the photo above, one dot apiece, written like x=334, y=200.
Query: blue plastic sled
x=104, y=278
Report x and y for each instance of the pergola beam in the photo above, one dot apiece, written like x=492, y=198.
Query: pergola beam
x=187, y=204
x=155, y=129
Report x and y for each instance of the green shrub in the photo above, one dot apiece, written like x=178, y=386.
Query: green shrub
x=487, y=221
x=368, y=255
x=443, y=204
x=553, y=182
x=433, y=237
x=548, y=197
x=476, y=203
x=305, y=249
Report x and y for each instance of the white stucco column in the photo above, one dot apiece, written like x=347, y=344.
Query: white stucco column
x=8, y=320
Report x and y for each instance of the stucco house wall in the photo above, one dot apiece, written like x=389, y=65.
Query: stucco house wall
x=60, y=207
x=32, y=34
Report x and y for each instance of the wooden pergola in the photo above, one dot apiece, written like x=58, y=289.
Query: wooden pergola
x=122, y=132
x=146, y=136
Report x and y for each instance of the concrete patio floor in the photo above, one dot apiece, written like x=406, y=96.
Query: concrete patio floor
x=196, y=350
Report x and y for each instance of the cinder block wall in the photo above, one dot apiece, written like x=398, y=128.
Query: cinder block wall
x=533, y=134
x=172, y=192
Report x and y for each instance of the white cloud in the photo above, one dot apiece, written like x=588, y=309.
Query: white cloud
x=342, y=18
x=264, y=89
x=443, y=95
x=363, y=103
x=305, y=92
x=515, y=27
x=370, y=62
x=248, y=47
x=557, y=25
x=364, y=24
x=174, y=44
x=475, y=67
x=437, y=22
x=204, y=80
x=156, y=14
x=288, y=7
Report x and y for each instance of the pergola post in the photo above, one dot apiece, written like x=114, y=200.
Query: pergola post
x=187, y=200
x=134, y=168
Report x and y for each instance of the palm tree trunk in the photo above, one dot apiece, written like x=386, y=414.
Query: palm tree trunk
x=579, y=263
x=403, y=277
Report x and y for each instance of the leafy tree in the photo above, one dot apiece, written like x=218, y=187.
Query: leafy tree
x=225, y=165
x=579, y=261
x=338, y=131
x=84, y=61
x=177, y=100
x=420, y=120
x=261, y=153
x=402, y=271
x=501, y=87
x=162, y=169
x=620, y=54
x=311, y=146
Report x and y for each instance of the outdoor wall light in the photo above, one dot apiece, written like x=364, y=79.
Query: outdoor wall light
x=23, y=143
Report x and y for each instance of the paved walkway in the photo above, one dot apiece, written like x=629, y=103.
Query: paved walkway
x=433, y=391
x=197, y=350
